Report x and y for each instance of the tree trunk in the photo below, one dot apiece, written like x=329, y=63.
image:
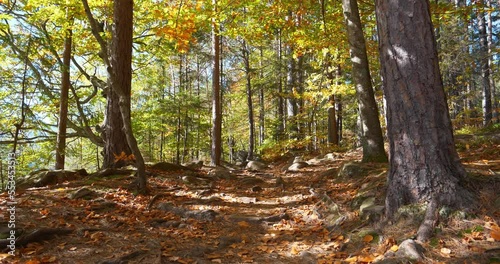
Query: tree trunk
x=121, y=79
x=115, y=140
x=485, y=69
x=333, y=136
x=251, y=123
x=491, y=67
x=262, y=113
x=63, y=103
x=371, y=137
x=216, y=95
x=291, y=102
x=424, y=165
x=280, y=129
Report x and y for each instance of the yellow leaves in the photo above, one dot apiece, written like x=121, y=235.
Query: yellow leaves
x=394, y=248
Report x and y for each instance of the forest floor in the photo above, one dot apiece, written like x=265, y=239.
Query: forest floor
x=247, y=218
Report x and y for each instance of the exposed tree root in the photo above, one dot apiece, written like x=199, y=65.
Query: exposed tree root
x=426, y=229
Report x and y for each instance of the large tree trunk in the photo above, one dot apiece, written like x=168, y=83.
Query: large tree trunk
x=216, y=95
x=371, y=137
x=63, y=105
x=121, y=79
x=115, y=140
x=424, y=165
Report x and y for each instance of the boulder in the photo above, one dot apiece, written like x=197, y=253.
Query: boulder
x=254, y=165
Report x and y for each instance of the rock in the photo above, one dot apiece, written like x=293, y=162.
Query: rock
x=194, y=180
x=410, y=249
x=316, y=161
x=297, y=164
x=195, y=164
x=370, y=201
x=81, y=193
x=351, y=169
x=241, y=156
x=43, y=178
x=220, y=173
x=254, y=165
x=330, y=173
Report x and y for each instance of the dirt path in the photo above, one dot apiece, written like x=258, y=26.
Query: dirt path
x=245, y=218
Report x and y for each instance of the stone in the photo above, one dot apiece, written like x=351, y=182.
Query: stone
x=411, y=250
x=254, y=165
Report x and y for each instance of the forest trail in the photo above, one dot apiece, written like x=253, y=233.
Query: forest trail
x=320, y=216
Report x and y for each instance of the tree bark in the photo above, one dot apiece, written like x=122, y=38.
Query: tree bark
x=216, y=94
x=372, y=140
x=333, y=135
x=63, y=103
x=251, y=123
x=424, y=165
x=485, y=68
x=121, y=79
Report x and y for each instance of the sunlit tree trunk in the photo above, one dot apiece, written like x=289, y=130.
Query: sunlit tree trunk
x=251, y=123
x=63, y=103
x=424, y=165
x=121, y=79
x=372, y=140
x=262, y=110
x=216, y=94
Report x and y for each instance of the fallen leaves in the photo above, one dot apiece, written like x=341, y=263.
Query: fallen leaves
x=495, y=232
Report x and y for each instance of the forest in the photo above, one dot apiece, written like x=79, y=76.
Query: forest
x=283, y=106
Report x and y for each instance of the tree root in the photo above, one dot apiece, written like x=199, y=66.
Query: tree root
x=426, y=229
x=38, y=235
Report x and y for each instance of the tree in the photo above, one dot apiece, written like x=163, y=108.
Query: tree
x=371, y=132
x=115, y=140
x=216, y=94
x=424, y=164
x=485, y=68
x=121, y=78
x=63, y=105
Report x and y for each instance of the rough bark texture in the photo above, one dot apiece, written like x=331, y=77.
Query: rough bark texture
x=216, y=96
x=372, y=140
x=63, y=105
x=424, y=164
x=121, y=78
x=114, y=136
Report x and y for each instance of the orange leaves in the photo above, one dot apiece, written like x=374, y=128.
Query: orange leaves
x=495, y=232
x=124, y=157
x=180, y=26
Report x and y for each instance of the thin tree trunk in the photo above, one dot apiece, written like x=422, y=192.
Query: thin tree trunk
x=216, y=94
x=485, y=69
x=251, y=123
x=281, y=102
x=63, y=103
x=333, y=136
x=371, y=138
x=491, y=67
x=262, y=113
